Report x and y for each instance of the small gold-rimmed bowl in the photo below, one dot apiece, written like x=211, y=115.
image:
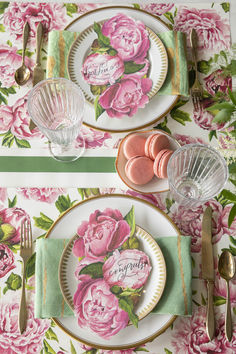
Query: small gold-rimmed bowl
x=156, y=185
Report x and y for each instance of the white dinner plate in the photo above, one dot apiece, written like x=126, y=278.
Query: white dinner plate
x=157, y=224
x=80, y=49
x=152, y=290
x=158, y=106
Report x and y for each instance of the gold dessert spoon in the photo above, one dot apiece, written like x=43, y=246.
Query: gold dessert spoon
x=226, y=267
x=22, y=74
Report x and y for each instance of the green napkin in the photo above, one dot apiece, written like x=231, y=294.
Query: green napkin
x=176, y=299
x=176, y=83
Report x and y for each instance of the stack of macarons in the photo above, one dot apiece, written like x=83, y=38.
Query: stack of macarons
x=146, y=157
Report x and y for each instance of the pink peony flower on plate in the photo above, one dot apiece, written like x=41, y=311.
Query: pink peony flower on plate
x=97, y=308
x=218, y=82
x=9, y=62
x=47, y=195
x=128, y=36
x=213, y=31
x=157, y=9
x=126, y=96
x=11, y=341
x=104, y=232
x=6, y=118
x=10, y=224
x=102, y=69
x=51, y=15
x=127, y=269
x=93, y=138
x=6, y=260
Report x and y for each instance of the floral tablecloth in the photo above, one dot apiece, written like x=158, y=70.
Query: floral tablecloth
x=216, y=66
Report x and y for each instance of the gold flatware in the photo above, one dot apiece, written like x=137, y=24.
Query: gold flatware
x=22, y=74
x=25, y=253
x=226, y=267
x=208, y=269
x=38, y=73
x=196, y=90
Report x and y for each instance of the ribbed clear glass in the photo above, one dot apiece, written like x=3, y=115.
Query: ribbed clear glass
x=56, y=106
x=196, y=173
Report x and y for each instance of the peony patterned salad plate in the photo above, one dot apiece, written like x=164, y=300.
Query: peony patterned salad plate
x=122, y=104
x=93, y=297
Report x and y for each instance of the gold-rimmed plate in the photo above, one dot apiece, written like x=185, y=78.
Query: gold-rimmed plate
x=80, y=50
x=157, y=224
x=151, y=291
x=158, y=106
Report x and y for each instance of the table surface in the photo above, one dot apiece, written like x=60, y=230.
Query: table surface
x=44, y=196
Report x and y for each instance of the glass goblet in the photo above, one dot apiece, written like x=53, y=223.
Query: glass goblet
x=56, y=106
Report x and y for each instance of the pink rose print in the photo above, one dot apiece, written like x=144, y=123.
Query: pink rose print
x=83, y=8
x=3, y=194
x=93, y=138
x=126, y=96
x=128, y=269
x=190, y=223
x=190, y=335
x=218, y=82
x=6, y=118
x=157, y=9
x=224, y=219
x=21, y=119
x=9, y=62
x=47, y=195
x=101, y=69
x=156, y=199
x=204, y=118
x=104, y=232
x=51, y=15
x=128, y=36
x=11, y=341
x=6, y=260
x=10, y=224
x=97, y=308
x=186, y=139
x=213, y=31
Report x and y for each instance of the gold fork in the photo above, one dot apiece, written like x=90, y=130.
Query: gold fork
x=25, y=253
x=196, y=89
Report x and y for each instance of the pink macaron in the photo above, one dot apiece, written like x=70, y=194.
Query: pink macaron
x=134, y=145
x=161, y=162
x=155, y=143
x=139, y=170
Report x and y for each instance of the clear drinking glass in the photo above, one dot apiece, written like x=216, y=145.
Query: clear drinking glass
x=196, y=174
x=56, y=106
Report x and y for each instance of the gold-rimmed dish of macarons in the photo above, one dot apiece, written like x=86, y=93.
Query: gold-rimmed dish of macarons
x=142, y=160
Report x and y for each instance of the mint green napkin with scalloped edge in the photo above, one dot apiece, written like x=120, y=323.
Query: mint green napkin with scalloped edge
x=176, y=82
x=176, y=298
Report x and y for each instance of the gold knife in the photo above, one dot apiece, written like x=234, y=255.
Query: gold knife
x=38, y=72
x=208, y=269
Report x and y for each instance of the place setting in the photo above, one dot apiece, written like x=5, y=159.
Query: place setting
x=117, y=232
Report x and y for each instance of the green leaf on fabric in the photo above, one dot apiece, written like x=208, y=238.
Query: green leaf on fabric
x=222, y=116
x=11, y=90
x=8, y=139
x=136, y=6
x=180, y=116
x=225, y=6
x=63, y=203
x=27, y=53
x=47, y=348
x=204, y=66
x=22, y=143
x=130, y=218
x=233, y=67
x=223, y=105
x=131, y=67
x=12, y=203
x=163, y=126
x=98, y=108
x=13, y=282
x=212, y=134
x=103, y=40
x=81, y=192
x=3, y=6
x=232, y=95
x=232, y=240
x=71, y=9
x=232, y=215
x=93, y=269
x=3, y=99
x=234, y=310
x=229, y=195
x=191, y=77
x=30, y=266
x=2, y=28
x=43, y=222
x=219, y=300
x=51, y=335
x=232, y=168
x=72, y=348
x=167, y=351
x=126, y=304
x=169, y=17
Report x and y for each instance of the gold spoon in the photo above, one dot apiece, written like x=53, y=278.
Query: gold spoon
x=22, y=74
x=226, y=267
